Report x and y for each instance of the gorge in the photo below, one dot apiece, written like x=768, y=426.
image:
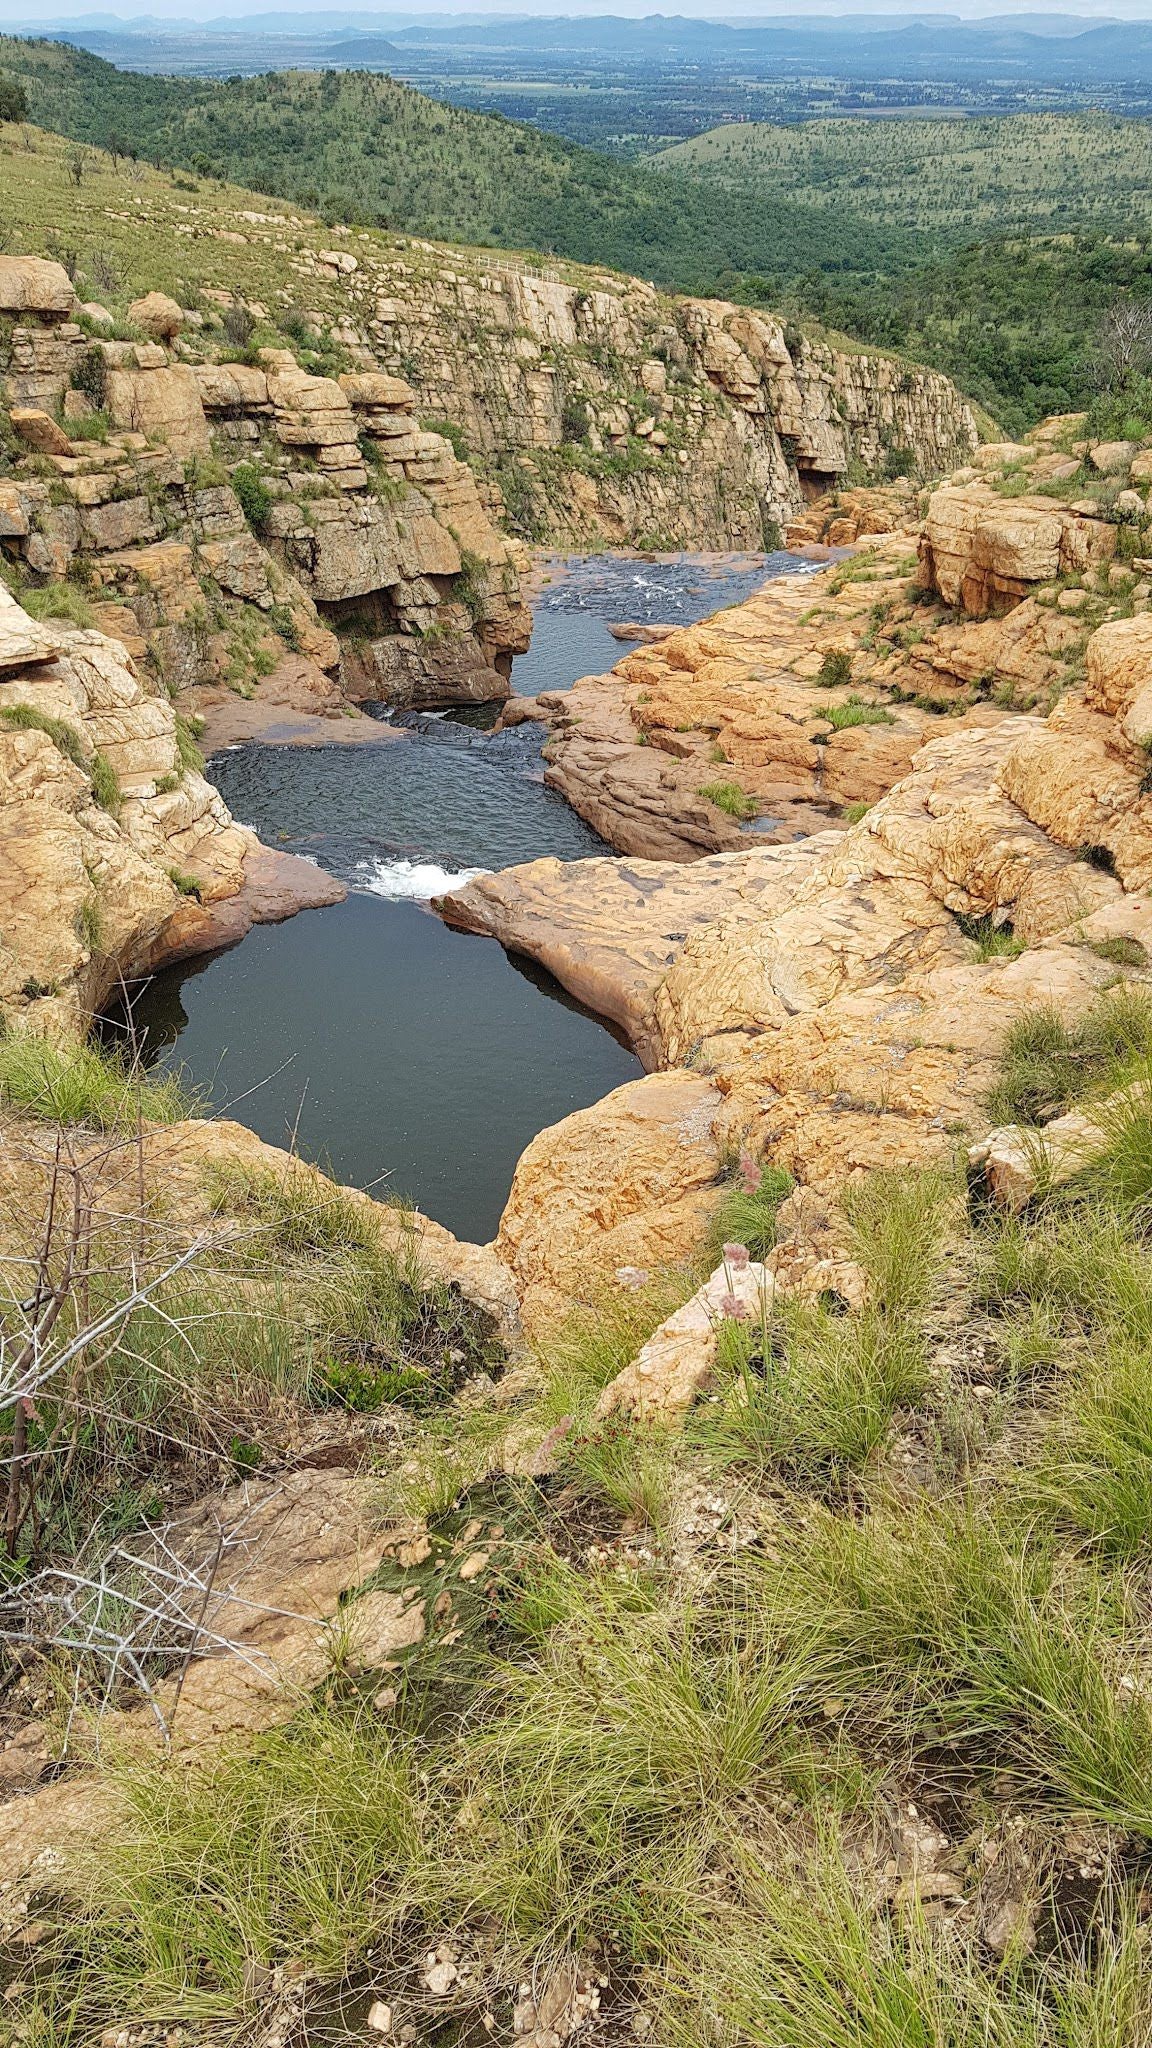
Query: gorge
x=676, y=1573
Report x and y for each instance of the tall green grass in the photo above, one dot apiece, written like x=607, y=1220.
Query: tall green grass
x=83, y=1084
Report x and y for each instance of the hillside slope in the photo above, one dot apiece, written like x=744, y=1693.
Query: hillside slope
x=1031, y=173
x=1062, y=204
x=365, y=149
x=590, y=406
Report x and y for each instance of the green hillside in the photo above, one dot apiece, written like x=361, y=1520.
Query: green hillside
x=1030, y=173
x=362, y=149
x=990, y=249
x=1027, y=229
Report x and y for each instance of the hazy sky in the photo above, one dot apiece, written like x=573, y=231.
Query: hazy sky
x=722, y=10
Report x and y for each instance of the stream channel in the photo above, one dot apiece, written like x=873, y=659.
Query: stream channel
x=403, y=1056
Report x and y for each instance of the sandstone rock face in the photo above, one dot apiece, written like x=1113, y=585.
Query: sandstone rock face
x=727, y=428
x=983, y=552
x=157, y=398
x=827, y=991
x=88, y=893
x=415, y=541
x=629, y=1182
x=39, y=430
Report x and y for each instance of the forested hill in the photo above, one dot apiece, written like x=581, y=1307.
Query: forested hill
x=361, y=148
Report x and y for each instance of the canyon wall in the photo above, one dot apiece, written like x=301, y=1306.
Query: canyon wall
x=598, y=408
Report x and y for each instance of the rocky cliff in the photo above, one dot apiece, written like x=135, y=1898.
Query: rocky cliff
x=602, y=409
x=223, y=515
x=115, y=853
x=589, y=406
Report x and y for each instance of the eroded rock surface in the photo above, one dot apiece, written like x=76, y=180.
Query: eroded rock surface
x=115, y=854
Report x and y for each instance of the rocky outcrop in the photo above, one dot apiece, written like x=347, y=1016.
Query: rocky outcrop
x=605, y=409
x=589, y=406
x=356, y=539
x=983, y=553
x=835, y=996
x=115, y=853
x=775, y=708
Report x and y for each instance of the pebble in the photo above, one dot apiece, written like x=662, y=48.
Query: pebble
x=380, y=2017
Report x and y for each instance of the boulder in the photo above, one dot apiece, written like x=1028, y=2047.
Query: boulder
x=1113, y=458
x=160, y=400
x=23, y=641
x=376, y=388
x=40, y=430
x=158, y=316
x=32, y=284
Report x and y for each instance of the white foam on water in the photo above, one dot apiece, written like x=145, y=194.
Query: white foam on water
x=414, y=881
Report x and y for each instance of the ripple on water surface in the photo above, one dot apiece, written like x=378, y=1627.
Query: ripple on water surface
x=379, y=1041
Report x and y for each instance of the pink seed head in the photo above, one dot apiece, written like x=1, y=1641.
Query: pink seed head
x=737, y=1311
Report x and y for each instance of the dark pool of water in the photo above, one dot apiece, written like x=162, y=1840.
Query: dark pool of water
x=381, y=1043
x=390, y=1048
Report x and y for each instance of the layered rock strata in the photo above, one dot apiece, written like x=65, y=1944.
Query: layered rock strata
x=233, y=511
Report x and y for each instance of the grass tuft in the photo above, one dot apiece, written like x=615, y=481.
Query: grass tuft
x=81, y=1084
x=729, y=798
x=1046, y=1065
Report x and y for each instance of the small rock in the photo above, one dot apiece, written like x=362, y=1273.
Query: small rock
x=440, y=1977
x=380, y=2017
x=474, y=1565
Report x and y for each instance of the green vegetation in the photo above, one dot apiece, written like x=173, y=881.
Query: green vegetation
x=254, y=495
x=855, y=711
x=713, y=1684
x=85, y=1085
x=64, y=737
x=1029, y=227
x=835, y=669
x=189, y=753
x=58, y=601
x=360, y=148
x=105, y=783
x=1046, y=1065
x=729, y=798
x=991, y=939
x=747, y=1213
x=991, y=249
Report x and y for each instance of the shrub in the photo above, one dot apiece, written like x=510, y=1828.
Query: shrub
x=13, y=100
x=254, y=495
x=90, y=375
x=835, y=669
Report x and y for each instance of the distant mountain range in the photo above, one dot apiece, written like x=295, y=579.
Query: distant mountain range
x=1056, y=50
